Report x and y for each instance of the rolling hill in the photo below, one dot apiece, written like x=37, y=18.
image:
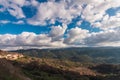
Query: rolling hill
x=86, y=54
x=34, y=68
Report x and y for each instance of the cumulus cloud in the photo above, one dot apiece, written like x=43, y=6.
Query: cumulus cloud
x=109, y=22
x=18, y=2
x=63, y=11
x=57, y=32
x=32, y=40
x=76, y=36
x=13, y=7
x=103, y=38
x=54, y=11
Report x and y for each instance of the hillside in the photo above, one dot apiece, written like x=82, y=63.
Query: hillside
x=54, y=69
x=32, y=68
x=86, y=54
x=7, y=70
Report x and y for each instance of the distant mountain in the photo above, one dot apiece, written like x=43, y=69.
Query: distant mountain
x=86, y=54
x=32, y=68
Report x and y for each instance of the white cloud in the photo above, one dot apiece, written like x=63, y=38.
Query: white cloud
x=66, y=10
x=96, y=14
x=63, y=11
x=18, y=22
x=24, y=39
x=55, y=11
x=13, y=7
x=57, y=32
x=4, y=21
x=7, y=39
x=76, y=36
x=109, y=22
x=2, y=9
x=79, y=23
x=30, y=40
x=16, y=11
x=103, y=37
x=18, y=2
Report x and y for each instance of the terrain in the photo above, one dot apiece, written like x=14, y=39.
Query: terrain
x=35, y=64
x=85, y=54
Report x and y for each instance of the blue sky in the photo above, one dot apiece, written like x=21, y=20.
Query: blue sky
x=29, y=12
x=59, y=23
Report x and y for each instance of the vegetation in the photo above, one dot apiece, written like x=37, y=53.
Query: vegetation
x=53, y=69
x=85, y=55
x=9, y=72
x=63, y=64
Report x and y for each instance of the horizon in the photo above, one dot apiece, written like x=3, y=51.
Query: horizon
x=42, y=24
x=62, y=48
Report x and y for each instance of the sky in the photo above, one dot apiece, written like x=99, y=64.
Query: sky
x=26, y=24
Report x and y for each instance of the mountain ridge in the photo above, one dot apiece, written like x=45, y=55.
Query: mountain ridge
x=90, y=54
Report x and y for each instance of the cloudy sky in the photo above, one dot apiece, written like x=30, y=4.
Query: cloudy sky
x=59, y=23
